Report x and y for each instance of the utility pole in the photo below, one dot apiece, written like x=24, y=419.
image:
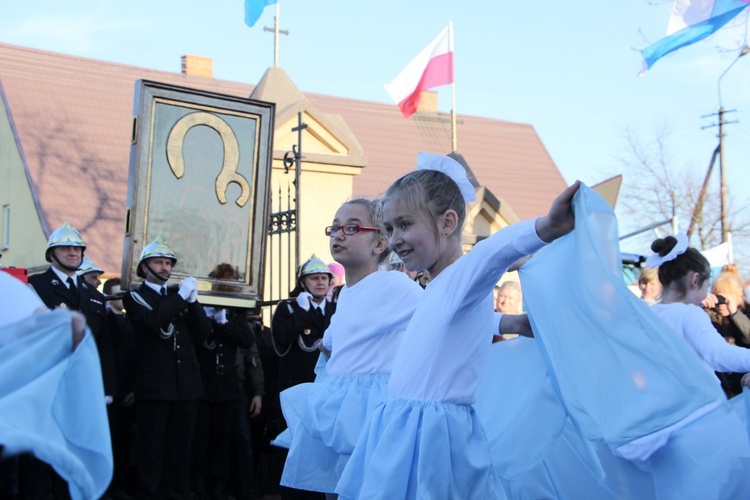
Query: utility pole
x=722, y=161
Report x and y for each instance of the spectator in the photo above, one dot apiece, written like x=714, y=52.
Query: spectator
x=337, y=281
x=509, y=298
x=650, y=286
x=726, y=307
x=167, y=324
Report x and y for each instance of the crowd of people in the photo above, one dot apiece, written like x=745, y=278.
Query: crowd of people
x=371, y=384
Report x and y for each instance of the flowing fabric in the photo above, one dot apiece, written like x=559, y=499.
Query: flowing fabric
x=52, y=401
x=325, y=420
x=627, y=376
x=630, y=385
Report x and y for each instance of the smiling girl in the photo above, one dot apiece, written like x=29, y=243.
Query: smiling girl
x=425, y=440
x=374, y=307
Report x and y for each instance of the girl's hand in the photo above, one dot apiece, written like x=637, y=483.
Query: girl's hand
x=560, y=219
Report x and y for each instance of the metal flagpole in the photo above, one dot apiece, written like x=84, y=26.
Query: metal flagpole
x=454, y=139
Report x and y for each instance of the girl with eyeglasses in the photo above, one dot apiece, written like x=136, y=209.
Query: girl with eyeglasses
x=374, y=308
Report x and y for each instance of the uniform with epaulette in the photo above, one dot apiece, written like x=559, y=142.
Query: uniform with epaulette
x=61, y=287
x=167, y=324
x=298, y=325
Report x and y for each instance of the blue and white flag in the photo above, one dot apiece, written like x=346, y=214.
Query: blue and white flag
x=691, y=21
x=253, y=10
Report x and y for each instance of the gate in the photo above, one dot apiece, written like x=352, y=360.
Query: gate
x=283, y=227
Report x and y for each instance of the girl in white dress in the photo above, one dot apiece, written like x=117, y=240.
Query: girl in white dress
x=325, y=418
x=685, y=277
x=425, y=440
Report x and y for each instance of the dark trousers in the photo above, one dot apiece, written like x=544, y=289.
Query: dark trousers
x=38, y=480
x=164, y=436
x=212, y=444
x=245, y=469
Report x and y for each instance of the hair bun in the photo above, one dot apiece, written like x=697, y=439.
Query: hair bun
x=663, y=246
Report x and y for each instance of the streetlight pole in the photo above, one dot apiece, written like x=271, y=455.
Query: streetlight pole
x=722, y=164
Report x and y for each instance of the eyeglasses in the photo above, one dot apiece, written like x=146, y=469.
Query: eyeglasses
x=349, y=229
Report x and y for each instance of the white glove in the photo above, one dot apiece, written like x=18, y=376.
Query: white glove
x=193, y=295
x=303, y=300
x=187, y=287
x=220, y=316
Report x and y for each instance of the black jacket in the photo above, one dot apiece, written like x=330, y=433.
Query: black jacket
x=166, y=330
x=91, y=303
x=217, y=355
x=289, y=325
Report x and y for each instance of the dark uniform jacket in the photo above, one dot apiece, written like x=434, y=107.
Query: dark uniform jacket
x=166, y=330
x=91, y=303
x=291, y=325
x=217, y=355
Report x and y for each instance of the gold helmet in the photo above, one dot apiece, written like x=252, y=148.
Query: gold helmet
x=314, y=266
x=65, y=236
x=88, y=266
x=156, y=248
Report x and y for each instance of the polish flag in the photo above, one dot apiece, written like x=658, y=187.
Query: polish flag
x=431, y=68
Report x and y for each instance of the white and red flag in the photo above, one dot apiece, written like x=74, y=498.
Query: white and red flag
x=431, y=68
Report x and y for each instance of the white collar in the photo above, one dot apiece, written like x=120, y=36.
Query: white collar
x=64, y=277
x=156, y=288
x=321, y=306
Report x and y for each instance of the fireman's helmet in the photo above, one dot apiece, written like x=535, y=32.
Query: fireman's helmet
x=314, y=266
x=88, y=266
x=65, y=236
x=156, y=248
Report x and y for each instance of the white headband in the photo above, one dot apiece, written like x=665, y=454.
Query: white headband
x=682, y=243
x=451, y=168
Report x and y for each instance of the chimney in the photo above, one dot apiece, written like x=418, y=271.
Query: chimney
x=428, y=102
x=197, y=66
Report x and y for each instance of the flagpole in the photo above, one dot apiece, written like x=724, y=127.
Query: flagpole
x=454, y=139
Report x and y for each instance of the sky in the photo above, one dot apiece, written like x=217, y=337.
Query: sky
x=570, y=69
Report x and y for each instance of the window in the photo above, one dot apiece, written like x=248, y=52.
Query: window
x=5, y=228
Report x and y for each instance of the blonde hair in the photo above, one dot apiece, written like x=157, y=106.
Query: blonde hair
x=431, y=193
x=648, y=275
x=374, y=207
x=729, y=283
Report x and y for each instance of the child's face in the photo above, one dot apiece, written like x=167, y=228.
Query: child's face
x=411, y=236
x=354, y=249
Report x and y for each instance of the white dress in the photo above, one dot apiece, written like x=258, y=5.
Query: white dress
x=325, y=418
x=425, y=440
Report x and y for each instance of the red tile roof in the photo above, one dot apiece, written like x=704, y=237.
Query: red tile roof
x=73, y=117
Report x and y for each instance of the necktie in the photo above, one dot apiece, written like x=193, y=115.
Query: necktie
x=163, y=291
x=72, y=286
x=319, y=310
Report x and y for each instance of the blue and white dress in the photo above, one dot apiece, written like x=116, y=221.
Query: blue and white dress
x=325, y=418
x=649, y=414
x=425, y=440
x=52, y=397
